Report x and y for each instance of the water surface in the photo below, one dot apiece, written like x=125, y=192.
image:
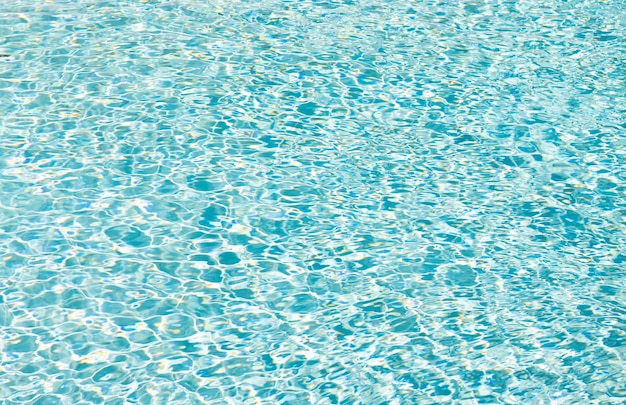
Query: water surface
x=296, y=202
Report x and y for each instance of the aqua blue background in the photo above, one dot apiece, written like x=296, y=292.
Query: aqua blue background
x=303, y=202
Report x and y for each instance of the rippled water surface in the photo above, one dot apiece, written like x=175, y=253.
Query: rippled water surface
x=312, y=202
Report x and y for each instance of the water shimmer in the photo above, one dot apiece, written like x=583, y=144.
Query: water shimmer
x=312, y=202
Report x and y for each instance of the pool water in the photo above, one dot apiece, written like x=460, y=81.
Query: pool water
x=312, y=202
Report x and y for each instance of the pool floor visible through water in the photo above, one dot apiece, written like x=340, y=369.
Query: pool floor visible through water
x=339, y=202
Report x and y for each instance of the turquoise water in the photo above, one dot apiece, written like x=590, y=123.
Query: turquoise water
x=296, y=202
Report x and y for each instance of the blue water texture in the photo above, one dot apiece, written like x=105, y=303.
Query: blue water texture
x=312, y=202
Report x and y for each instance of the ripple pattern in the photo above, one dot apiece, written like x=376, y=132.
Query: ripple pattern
x=312, y=202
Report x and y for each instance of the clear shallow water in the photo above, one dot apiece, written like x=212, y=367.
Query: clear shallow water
x=312, y=203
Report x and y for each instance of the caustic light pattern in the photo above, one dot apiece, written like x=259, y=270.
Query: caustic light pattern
x=312, y=202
